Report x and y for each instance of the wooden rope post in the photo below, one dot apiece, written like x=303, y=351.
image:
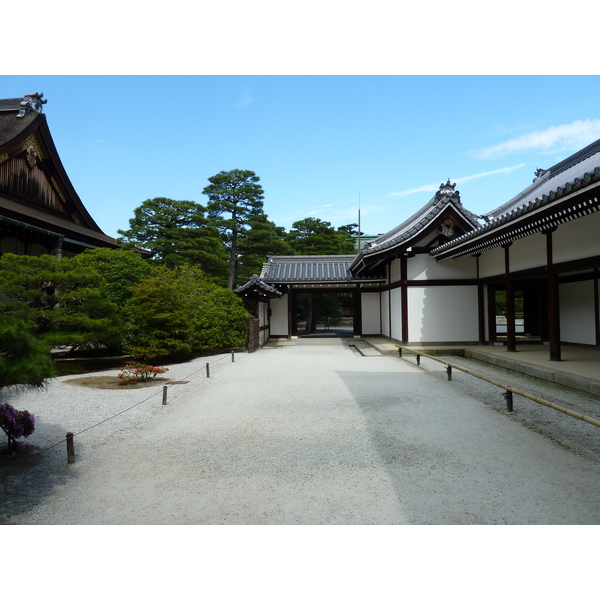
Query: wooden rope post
x=449, y=371
x=399, y=352
x=232, y=356
x=418, y=360
x=207, y=369
x=509, y=400
x=164, y=395
x=70, y=449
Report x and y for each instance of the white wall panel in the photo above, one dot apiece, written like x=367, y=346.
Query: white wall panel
x=527, y=253
x=567, y=239
x=422, y=267
x=395, y=270
x=396, y=314
x=385, y=313
x=443, y=314
x=491, y=262
x=577, y=319
x=279, y=316
x=371, y=317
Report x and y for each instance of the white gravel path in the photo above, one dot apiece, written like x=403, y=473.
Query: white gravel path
x=305, y=434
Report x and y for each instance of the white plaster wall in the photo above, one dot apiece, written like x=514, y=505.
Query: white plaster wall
x=442, y=314
x=385, y=313
x=528, y=252
x=279, y=316
x=577, y=239
x=396, y=314
x=395, y=270
x=422, y=267
x=263, y=317
x=491, y=262
x=577, y=320
x=371, y=316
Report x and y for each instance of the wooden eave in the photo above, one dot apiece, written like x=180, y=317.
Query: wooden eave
x=542, y=215
x=35, y=128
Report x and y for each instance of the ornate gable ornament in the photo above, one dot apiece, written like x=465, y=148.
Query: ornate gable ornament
x=31, y=102
x=447, y=191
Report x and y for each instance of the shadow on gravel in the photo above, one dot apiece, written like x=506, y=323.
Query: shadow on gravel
x=451, y=461
x=29, y=476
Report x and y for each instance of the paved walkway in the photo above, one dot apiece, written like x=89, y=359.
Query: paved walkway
x=315, y=433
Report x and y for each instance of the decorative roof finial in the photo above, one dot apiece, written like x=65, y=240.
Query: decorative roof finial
x=447, y=190
x=31, y=102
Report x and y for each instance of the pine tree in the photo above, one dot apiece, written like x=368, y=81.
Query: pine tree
x=235, y=198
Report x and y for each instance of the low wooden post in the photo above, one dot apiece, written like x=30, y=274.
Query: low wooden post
x=70, y=449
x=232, y=356
x=509, y=400
x=418, y=359
x=208, y=369
x=164, y=395
x=399, y=352
x=449, y=371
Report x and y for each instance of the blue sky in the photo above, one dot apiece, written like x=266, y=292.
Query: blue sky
x=320, y=144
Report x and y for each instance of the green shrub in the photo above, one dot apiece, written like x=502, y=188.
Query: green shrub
x=24, y=359
x=179, y=313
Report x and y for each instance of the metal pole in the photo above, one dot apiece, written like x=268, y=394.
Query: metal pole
x=70, y=449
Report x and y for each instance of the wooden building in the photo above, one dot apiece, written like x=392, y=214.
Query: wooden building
x=40, y=211
x=435, y=279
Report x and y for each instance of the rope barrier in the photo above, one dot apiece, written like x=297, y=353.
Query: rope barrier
x=189, y=376
x=509, y=390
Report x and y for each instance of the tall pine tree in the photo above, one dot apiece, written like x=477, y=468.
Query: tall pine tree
x=235, y=198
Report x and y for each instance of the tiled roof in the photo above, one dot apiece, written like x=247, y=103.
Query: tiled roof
x=290, y=269
x=256, y=281
x=415, y=225
x=570, y=175
x=10, y=104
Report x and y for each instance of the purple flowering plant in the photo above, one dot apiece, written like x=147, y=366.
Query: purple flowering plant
x=16, y=423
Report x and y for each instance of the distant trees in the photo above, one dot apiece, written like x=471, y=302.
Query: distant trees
x=312, y=236
x=176, y=233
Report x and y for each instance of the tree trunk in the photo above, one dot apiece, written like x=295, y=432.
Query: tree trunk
x=232, y=260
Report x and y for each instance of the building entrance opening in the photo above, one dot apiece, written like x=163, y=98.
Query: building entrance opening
x=325, y=315
x=530, y=312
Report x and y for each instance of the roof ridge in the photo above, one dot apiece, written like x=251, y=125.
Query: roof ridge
x=580, y=155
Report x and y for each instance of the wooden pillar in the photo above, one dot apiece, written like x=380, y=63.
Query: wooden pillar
x=404, y=297
x=491, y=304
x=511, y=338
x=480, y=306
x=553, y=301
x=292, y=312
x=596, y=307
x=356, y=313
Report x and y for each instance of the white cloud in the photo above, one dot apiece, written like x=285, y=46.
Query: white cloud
x=571, y=136
x=434, y=187
x=247, y=98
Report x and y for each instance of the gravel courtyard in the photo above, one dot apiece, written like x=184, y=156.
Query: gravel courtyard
x=312, y=433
